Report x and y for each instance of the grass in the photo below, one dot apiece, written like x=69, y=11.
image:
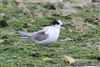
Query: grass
x=16, y=52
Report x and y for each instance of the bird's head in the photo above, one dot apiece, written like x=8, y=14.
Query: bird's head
x=56, y=22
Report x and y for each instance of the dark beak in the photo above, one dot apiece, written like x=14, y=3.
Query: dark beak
x=63, y=25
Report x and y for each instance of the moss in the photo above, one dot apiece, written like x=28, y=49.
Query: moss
x=16, y=52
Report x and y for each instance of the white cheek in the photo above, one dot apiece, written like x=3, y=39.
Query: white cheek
x=60, y=22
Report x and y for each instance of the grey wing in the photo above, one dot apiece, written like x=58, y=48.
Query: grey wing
x=40, y=36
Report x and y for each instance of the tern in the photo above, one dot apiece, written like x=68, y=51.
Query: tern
x=47, y=35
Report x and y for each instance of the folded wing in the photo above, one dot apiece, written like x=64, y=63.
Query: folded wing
x=38, y=36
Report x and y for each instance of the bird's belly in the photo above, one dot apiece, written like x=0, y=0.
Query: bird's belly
x=50, y=39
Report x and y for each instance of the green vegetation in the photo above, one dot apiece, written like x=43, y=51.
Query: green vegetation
x=16, y=52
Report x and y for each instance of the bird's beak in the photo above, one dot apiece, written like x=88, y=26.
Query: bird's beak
x=63, y=25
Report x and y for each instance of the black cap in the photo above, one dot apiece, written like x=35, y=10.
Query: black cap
x=55, y=22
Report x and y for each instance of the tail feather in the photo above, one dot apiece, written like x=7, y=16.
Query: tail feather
x=25, y=34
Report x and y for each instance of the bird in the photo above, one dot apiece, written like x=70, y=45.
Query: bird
x=47, y=35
